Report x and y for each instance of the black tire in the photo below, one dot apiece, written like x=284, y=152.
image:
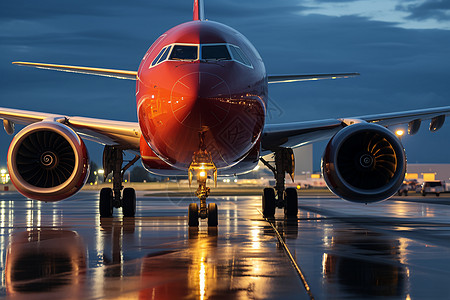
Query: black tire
x=106, y=203
x=437, y=194
x=129, y=202
x=193, y=214
x=291, y=207
x=268, y=203
x=424, y=194
x=405, y=193
x=212, y=215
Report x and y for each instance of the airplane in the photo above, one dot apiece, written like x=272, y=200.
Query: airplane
x=202, y=99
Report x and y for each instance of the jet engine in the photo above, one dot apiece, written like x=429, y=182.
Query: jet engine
x=364, y=163
x=48, y=161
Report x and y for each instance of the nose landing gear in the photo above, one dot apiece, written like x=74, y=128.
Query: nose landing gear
x=201, y=165
x=285, y=197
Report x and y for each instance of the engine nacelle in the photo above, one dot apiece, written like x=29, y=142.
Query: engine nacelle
x=364, y=163
x=48, y=161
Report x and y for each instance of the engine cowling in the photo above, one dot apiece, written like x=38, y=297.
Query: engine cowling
x=48, y=161
x=364, y=163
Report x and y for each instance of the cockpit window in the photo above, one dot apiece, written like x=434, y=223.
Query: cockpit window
x=183, y=52
x=162, y=55
x=209, y=52
x=165, y=54
x=239, y=56
x=215, y=52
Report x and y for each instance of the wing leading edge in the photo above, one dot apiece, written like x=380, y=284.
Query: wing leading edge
x=307, y=77
x=109, y=132
x=297, y=134
x=119, y=74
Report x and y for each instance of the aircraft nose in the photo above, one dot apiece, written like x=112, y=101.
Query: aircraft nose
x=200, y=99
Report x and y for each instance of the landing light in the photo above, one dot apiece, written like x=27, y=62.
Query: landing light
x=400, y=132
x=202, y=174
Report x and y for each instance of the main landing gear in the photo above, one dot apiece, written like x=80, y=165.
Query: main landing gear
x=110, y=198
x=284, y=198
x=201, y=165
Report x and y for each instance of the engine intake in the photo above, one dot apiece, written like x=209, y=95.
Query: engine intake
x=48, y=161
x=364, y=163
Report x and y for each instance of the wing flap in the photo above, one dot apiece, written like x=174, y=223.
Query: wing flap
x=119, y=74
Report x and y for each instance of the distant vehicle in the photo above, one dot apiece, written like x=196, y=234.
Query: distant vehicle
x=408, y=185
x=429, y=187
x=403, y=190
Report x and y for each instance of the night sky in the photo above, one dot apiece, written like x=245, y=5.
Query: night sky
x=401, y=49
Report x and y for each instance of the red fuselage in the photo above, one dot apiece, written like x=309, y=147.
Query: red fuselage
x=223, y=98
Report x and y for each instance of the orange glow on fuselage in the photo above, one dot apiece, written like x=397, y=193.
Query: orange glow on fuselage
x=177, y=100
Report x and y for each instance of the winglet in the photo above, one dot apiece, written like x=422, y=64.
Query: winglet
x=199, y=10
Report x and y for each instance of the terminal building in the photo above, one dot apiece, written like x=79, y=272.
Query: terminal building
x=428, y=172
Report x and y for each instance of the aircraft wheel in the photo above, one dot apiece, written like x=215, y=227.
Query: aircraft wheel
x=291, y=207
x=268, y=203
x=437, y=194
x=129, y=202
x=193, y=214
x=212, y=214
x=106, y=203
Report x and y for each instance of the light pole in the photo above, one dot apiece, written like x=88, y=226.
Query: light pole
x=101, y=172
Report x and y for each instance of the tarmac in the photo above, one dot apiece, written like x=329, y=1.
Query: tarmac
x=396, y=249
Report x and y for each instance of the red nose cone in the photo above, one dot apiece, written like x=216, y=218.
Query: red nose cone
x=200, y=100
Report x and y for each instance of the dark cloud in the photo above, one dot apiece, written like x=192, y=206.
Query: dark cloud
x=430, y=9
x=401, y=68
x=335, y=1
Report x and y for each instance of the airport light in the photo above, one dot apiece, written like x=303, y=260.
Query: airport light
x=4, y=176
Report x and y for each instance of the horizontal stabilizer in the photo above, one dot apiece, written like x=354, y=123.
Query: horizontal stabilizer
x=119, y=74
x=296, y=78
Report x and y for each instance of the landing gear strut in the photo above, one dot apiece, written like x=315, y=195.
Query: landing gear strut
x=110, y=198
x=285, y=198
x=201, y=165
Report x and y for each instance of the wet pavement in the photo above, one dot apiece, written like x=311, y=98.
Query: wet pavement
x=397, y=249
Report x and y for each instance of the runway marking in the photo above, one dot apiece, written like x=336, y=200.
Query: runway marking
x=291, y=257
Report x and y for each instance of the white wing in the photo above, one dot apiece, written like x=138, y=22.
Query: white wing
x=292, y=135
x=108, y=132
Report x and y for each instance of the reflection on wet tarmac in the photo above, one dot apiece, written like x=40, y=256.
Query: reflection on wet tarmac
x=364, y=263
x=45, y=261
x=176, y=274
x=65, y=250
